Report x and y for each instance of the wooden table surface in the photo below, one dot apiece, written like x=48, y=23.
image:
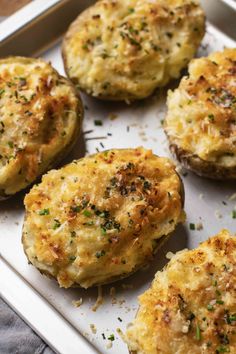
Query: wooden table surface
x=8, y=7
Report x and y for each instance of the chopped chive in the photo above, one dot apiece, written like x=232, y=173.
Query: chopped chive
x=231, y=318
x=100, y=253
x=220, y=302
x=43, y=212
x=211, y=117
x=234, y=214
x=198, y=333
x=57, y=224
x=98, y=122
x=222, y=349
x=87, y=213
x=72, y=258
x=76, y=208
x=103, y=230
x=111, y=337
x=192, y=226
x=210, y=308
x=89, y=223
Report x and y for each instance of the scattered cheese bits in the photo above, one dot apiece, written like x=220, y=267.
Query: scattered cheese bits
x=99, y=300
x=77, y=303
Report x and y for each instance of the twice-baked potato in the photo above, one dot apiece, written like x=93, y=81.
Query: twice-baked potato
x=100, y=218
x=40, y=119
x=190, y=307
x=201, y=119
x=125, y=49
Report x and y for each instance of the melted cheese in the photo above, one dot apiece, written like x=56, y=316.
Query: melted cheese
x=100, y=218
x=201, y=115
x=40, y=115
x=191, y=306
x=124, y=49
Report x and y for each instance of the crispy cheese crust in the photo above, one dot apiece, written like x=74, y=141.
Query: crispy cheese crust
x=191, y=305
x=124, y=49
x=100, y=218
x=201, y=119
x=40, y=118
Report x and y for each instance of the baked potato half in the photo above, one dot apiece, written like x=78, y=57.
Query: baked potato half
x=201, y=119
x=102, y=217
x=40, y=119
x=190, y=307
x=123, y=50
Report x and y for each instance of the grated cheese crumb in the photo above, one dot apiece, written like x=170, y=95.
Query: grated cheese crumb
x=99, y=300
x=93, y=328
x=77, y=303
x=169, y=255
x=218, y=215
x=232, y=197
x=199, y=226
x=112, y=116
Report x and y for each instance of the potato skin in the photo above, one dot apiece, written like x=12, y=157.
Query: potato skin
x=101, y=218
x=41, y=120
x=190, y=306
x=200, y=167
x=123, y=50
x=201, y=119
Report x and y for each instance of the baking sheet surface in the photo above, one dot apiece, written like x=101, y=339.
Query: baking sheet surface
x=208, y=203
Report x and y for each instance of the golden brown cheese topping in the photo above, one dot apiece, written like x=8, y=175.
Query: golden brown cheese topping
x=191, y=305
x=124, y=49
x=201, y=115
x=101, y=217
x=40, y=117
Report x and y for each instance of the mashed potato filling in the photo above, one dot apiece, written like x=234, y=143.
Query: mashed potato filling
x=102, y=217
x=190, y=307
x=201, y=117
x=40, y=115
x=124, y=49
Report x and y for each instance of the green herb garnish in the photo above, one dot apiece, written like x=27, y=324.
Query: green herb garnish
x=57, y=224
x=43, y=212
x=210, y=307
x=211, y=117
x=100, y=253
x=98, y=122
x=72, y=258
x=220, y=302
x=198, y=332
x=87, y=213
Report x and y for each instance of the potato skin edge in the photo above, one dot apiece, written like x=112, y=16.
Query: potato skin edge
x=160, y=243
x=202, y=168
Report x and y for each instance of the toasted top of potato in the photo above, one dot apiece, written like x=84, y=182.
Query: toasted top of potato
x=201, y=115
x=190, y=307
x=40, y=115
x=98, y=218
x=124, y=49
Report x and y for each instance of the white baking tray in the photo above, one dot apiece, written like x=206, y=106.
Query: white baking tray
x=49, y=309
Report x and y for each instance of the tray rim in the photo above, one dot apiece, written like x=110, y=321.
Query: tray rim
x=67, y=339
x=230, y=3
